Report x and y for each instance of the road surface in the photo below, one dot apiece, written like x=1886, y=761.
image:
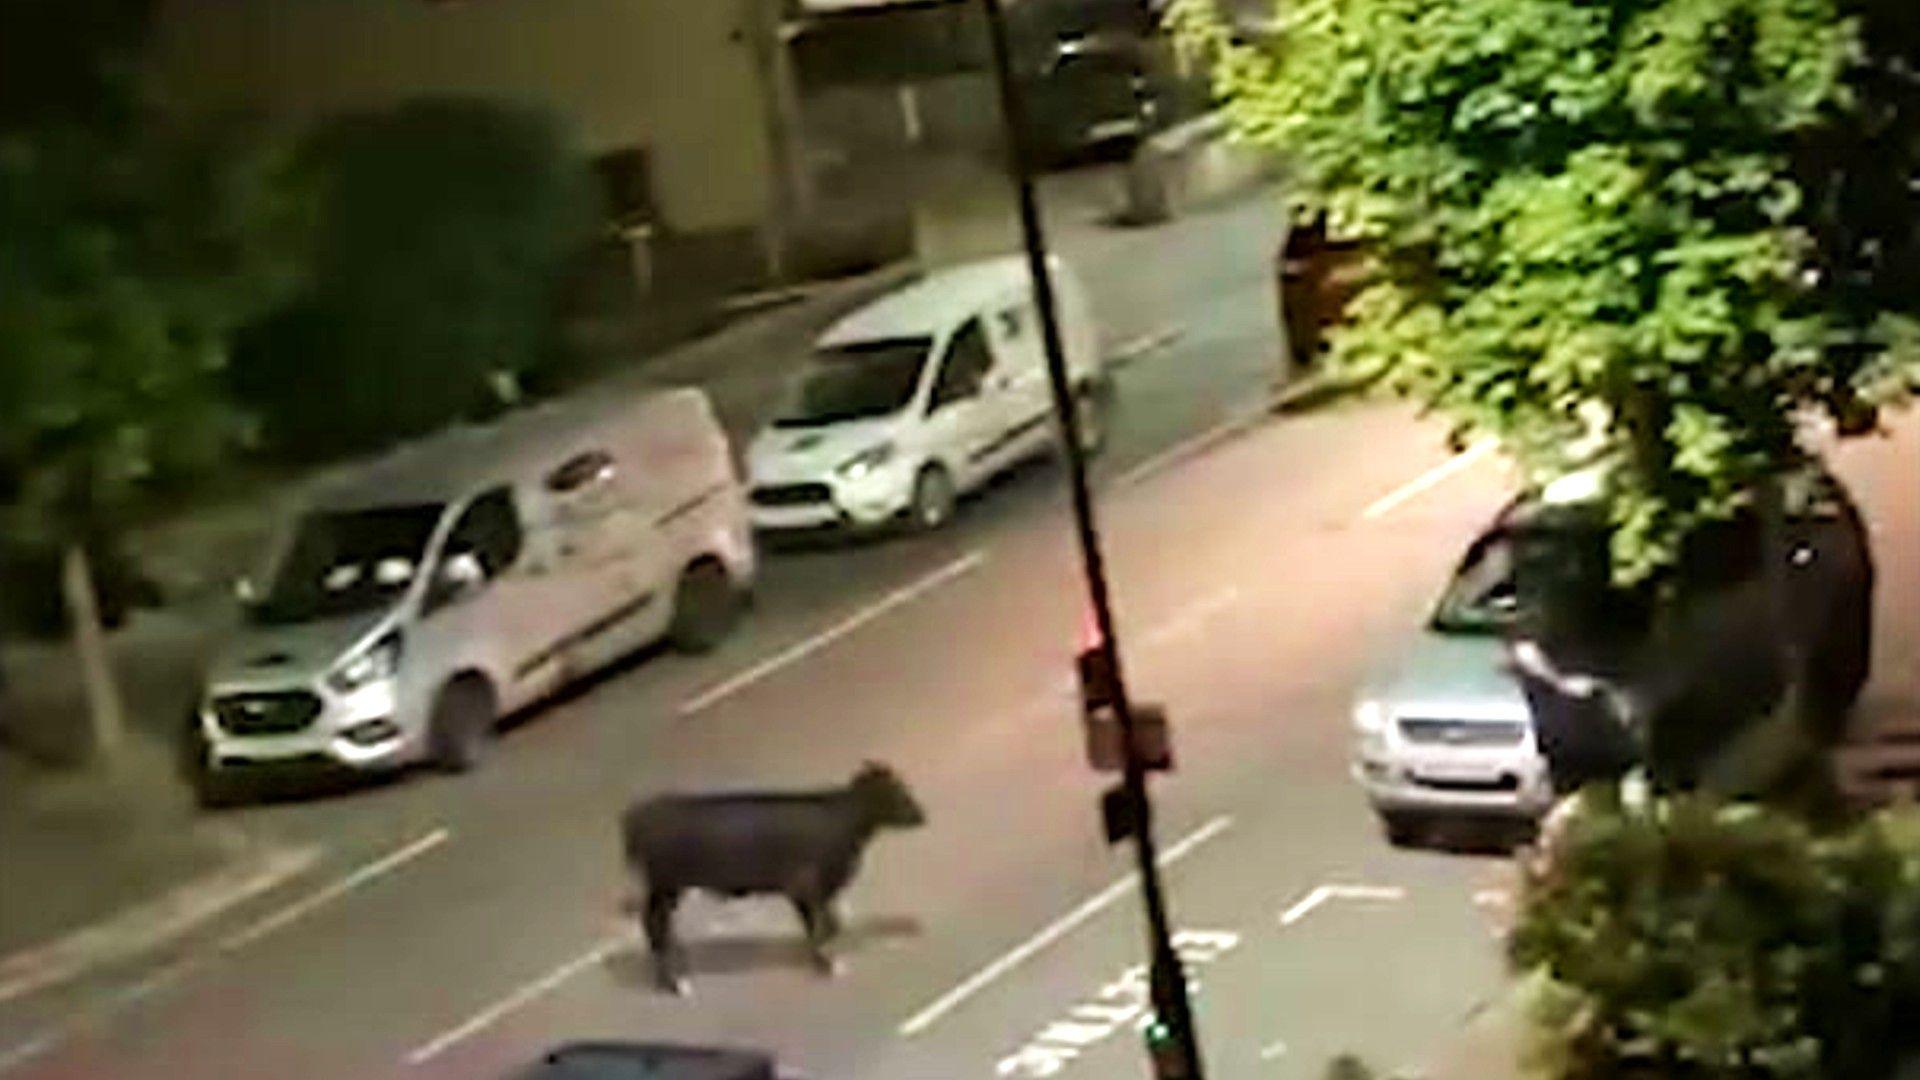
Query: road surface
x=459, y=925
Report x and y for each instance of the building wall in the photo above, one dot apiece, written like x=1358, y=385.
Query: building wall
x=676, y=76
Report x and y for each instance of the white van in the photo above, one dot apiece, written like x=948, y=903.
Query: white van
x=921, y=396
x=416, y=601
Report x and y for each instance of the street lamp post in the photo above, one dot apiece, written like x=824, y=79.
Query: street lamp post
x=1178, y=1054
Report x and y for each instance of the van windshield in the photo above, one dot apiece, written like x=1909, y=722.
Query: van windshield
x=347, y=562
x=858, y=380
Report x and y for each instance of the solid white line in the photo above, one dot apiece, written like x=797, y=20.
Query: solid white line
x=1305, y=905
x=1192, y=445
x=1054, y=931
x=1386, y=504
x=19, y=1055
x=803, y=649
x=1273, y=1050
x=488, y=1016
x=1193, y=617
x=1136, y=347
x=305, y=906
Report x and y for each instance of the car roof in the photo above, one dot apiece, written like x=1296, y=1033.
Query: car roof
x=464, y=460
x=936, y=302
x=650, y=1061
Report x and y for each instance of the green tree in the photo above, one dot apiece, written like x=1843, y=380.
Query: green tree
x=130, y=253
x=445, y=230
x=1591, y=239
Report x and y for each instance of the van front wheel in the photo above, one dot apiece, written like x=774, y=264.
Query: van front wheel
x=934, y=499
x=705, y=607
x=462, y=725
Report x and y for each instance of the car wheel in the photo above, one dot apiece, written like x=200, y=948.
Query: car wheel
x=933, y=498
x=462, y=725
x=705, y=607
x=1403, y=830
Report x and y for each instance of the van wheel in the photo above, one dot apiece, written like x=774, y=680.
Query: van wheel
x=933, y=498
x=705, y=607
x=1090, y=414
x=462, y=726
x=1403, y=830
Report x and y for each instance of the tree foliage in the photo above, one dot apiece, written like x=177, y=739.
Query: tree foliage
x=130, y=252
x=445, y=226
x=1590, y=237
x=1693, y=939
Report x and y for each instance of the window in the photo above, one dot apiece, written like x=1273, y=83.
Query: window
x=346, y=562
x=858, y=380
x=964, y=369
x=626, y=176
x=490, y=531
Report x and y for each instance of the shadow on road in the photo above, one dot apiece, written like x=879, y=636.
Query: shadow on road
x=738, y=954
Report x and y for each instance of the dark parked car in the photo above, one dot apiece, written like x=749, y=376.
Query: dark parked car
x=648, y=1061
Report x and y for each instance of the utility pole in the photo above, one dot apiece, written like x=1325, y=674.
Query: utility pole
x=1171, y=1003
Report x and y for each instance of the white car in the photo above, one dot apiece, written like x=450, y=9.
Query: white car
x=922, y=396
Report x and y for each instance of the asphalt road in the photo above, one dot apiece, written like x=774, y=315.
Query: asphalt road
x=459, y=925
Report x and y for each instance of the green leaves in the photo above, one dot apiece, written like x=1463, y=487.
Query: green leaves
x=1695, y=939
x=1616, y=228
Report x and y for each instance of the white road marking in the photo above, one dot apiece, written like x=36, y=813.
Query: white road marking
x=1193, y=617
x=1194, y=444
x=1412, y=489
x=490, y=1015
x=1136, y=347
x=1320, y=894
x=802, y=649
x=1054, y=931
x=1127, y=1000
x=171, y=975
x=1490, y=898
x=301, y=908
x=1273, y=1051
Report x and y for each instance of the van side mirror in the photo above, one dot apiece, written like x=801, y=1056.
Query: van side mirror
x=460, y=576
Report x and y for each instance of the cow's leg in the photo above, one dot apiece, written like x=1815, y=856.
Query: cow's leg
x=669, y=967
x=818, y=920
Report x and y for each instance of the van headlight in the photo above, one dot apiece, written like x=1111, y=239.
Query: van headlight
x=375, y=663
x=866, y=461
x=1369, y=717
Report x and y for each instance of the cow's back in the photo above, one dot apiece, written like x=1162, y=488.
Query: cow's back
x=739, y=843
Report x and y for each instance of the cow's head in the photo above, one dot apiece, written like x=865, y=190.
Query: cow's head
x=885, y=798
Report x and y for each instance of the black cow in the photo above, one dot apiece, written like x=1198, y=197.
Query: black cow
x=805, y=846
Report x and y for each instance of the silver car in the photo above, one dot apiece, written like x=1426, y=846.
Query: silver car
x=1445, y=729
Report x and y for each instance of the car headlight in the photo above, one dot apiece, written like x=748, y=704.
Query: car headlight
x=866, y=461
x=1370, y=717
x=380, y=660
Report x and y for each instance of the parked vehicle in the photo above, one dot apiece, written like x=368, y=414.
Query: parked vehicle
x=922, y=397
x=416, y=602
x=1447, y=730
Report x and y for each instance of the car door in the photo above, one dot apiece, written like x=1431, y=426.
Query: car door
x=509, y=621
x=962, y=422
x=609, y=552
x=1018, y=385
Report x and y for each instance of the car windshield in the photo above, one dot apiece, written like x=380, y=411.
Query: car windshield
x=1482, y=597
x=858, y=380
x=347, y=562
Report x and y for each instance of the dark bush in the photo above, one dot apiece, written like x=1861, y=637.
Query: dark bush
x=1691, y=939
x=446, y=228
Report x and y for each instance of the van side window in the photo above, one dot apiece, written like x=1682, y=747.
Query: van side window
x=490, y=529
x=964, y=368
